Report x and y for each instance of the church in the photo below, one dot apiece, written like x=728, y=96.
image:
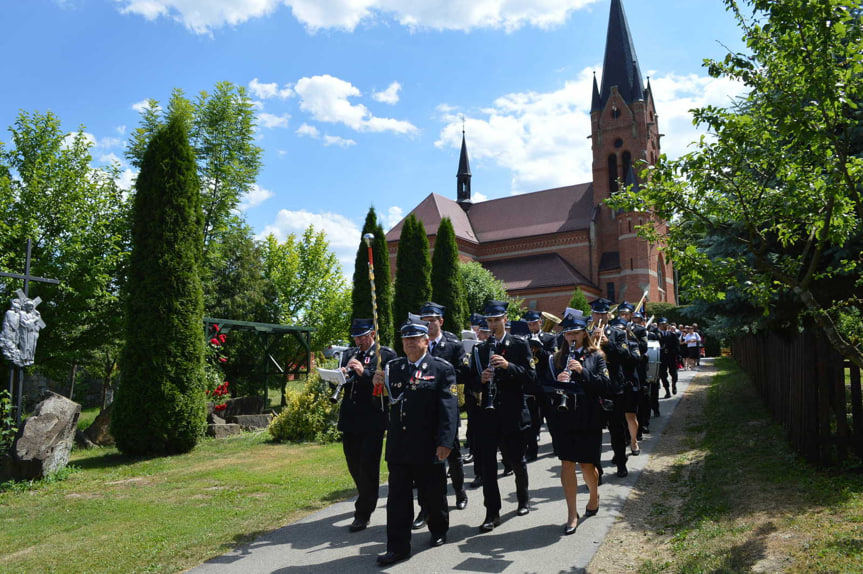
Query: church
x=544, y=244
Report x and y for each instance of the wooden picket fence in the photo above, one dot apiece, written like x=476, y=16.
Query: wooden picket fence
x=810, y=390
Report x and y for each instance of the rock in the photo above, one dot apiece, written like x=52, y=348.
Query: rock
x=243, y=406
x=214, y=419
x=44, y=440
x=222, y=431
x=251, y=422
x=81, y=440
x=99, y=432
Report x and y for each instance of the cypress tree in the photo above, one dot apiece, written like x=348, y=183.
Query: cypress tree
x=413, y=274
x=447, y=288
x=361, y=297
x=160, y=404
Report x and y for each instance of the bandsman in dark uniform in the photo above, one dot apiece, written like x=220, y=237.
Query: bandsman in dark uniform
x=639, y=331
x=636, y=375
x=542, y=345
x=446, y=346
x=422, y=426
x=502, y=366
x=362, y=418
x=669, y=350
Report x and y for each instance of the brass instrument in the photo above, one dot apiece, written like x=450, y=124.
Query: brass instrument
x=549, y=321
x=349, y=379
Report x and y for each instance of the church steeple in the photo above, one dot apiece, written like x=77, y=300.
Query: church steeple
x=620, y=67
x=463, y=176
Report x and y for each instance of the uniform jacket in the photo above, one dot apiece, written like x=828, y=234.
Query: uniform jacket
x=619, y=356
x=669, y=346
x=510, y=409
x=451, y=350
x=586, y=388
x=424, y=413
x=360, y=411
x=542, y=348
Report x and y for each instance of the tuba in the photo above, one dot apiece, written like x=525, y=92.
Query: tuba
x=549, y=321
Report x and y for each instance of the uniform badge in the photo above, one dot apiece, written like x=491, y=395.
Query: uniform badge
x=466, y=361
x=532, y=363
x=368, y=360
x=425, y=366
x=605, y=372
x=454, y=390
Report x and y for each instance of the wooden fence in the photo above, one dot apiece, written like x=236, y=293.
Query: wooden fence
x=810, y=390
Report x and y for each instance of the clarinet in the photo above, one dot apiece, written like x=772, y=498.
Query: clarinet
x=348, y=380
x=562, y=406
x=491, y=392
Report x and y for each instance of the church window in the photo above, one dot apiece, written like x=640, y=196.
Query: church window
x=660, y=272
x=627, y=163
x=615, y=113
x=631, y=265
x=629, y=223
x=612, y=173
x=618, y=142
x=609, y=288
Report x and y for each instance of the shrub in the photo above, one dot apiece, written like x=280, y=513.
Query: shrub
x=7, y=423
x=308, y=416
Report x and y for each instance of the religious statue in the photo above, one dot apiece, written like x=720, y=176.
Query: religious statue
x=21, y=326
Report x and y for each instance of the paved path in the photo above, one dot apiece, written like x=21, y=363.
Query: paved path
x=533, y=543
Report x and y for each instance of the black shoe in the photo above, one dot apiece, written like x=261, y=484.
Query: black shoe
x=467, y=459
x=508, y=472
x=674, y=389
x=392, y=558
x=667, y=395
x=420, y=521
x=532, y=458
x=358, y=525
x=568, y=530
x=656, y=413
x=622, y=472
x=645, y=430
x=523, y=509
x=477, y=482
x=489, y=523
x=461, y=500
x=588, y=512
x=437, y=540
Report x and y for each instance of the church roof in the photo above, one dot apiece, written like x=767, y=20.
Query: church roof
x=544, y=212
x=521, y=272
x=620, y=67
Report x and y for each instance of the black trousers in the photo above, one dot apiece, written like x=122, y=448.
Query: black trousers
x=456, y=472
x=532, y=434
x=430, y=480
x=644, y=406
x=363, y=455
x=512, y=447
x=617, y=430
x=654, y=397
x=666, y=366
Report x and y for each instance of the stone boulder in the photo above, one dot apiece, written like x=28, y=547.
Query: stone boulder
x=44, y=440
x=223, y=431
x=252, y=422
x=243, y=406
x=99, y=431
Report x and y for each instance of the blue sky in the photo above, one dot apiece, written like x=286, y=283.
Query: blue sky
x=359, y=101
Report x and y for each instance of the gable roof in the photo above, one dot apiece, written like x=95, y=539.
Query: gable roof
x=522, y=272
x=430, y=211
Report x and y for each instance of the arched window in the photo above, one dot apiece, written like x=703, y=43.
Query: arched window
x=612, y=173
x=627, y=163
x=660, y=272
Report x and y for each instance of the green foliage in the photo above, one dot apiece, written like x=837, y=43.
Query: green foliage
x=770, y=206
x=77, y=218
x=447, y=289
x=7, y=423
x=310, y=288
x=579, y=301
x=361, y=297
x=159, y=407
x=480, y=285
x=413, y=274
x=308, y=415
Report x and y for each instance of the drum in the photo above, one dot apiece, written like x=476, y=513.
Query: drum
x=652, y=360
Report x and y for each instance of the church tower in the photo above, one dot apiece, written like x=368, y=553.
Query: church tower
x=624, y=135
x=463, y=177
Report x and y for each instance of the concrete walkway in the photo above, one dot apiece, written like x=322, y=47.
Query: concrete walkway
x=533, y=543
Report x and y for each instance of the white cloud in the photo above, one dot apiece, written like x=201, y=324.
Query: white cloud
x=477, y=197
x=343, y=234
x=390, y=95
x=338, y=141
x=121, y=130
x=254, y=197
x=273, y=121
x=542, y=137
x=127, y=179
x=326, y=98
x=141, y=106
x=393, y=216
x=272, y=90
x=70, y=138
x=309, y=131
x=203, y=16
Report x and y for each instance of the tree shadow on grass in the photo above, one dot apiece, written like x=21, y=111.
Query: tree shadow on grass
x=109, y=460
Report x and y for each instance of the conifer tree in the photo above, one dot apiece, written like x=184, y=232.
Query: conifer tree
x=413, y=274
x=361, y=294
x=159, y=407
x=579, y=301
x=447, y=289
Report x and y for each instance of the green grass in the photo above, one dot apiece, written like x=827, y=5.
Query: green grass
x=114, y=513
x=753, y=499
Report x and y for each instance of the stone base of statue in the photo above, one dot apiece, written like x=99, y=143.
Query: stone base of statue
x=44, y=440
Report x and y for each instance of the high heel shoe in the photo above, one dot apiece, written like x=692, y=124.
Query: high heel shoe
x=588, y=512
x=567, y=530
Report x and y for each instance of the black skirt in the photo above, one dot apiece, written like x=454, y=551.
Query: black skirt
x=574, y=440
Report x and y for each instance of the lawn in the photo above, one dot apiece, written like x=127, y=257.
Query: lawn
x=113, y=513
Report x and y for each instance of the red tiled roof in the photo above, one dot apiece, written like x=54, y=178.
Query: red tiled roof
x=536, y=272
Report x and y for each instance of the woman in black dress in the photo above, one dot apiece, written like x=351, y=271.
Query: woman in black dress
x=580, y=377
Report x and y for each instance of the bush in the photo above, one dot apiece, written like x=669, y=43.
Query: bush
x=308, y=416
x=8, y=430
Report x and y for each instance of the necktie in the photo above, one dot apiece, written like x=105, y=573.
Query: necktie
x=433, y=345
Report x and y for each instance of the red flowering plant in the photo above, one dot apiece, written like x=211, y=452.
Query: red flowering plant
x=217, y=386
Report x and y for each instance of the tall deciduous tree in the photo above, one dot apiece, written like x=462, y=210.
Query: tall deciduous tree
x=361, y=295
x=480, y=286
x=77, y=218
x=447, y=289
x=780, y=181
x=159, y=407
x=413, y=273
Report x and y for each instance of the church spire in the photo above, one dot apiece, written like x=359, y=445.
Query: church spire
x=463, y=176
x=620, y=67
